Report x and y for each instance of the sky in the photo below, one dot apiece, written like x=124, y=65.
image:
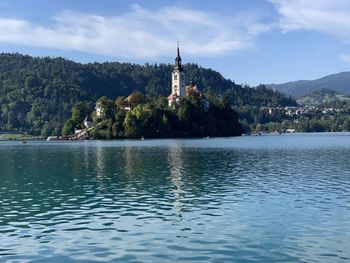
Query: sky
x=247, y=41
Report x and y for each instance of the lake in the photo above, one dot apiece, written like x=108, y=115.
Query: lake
x=265, y=199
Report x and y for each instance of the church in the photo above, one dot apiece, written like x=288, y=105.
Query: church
x=178, y=80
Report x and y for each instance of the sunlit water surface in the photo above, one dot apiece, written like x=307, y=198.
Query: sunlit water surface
x=265, y=199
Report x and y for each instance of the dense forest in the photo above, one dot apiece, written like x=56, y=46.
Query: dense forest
x=37, y=94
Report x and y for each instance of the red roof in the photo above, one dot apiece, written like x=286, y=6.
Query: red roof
x=194, y=88
x=171, y=97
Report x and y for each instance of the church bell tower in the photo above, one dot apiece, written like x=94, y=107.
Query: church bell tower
x=178, y=77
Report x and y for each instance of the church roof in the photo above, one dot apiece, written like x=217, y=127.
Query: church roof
x=128, y=98
x=87, y=118
x=193, y=88
x=171, y=97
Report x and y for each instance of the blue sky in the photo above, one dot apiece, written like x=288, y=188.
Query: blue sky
x=255, y=41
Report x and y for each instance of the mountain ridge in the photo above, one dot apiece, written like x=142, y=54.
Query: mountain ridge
x=338, y=82
x=321, y=97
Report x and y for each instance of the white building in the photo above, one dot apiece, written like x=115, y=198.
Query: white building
x=99, y=110
x=87, y=123
x=178, y=88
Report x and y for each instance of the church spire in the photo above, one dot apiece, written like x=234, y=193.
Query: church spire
x=178, y=59
x=178, y=49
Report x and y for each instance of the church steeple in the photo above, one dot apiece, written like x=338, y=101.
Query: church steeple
x=178, y=65
x=178, y=90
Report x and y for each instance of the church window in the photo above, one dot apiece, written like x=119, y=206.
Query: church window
x=176, y=89
x=175, y=77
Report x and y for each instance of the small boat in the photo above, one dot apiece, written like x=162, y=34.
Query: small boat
x=22, y=142
x=142, y=138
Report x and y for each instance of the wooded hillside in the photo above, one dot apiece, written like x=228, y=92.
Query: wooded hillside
x=37, y=94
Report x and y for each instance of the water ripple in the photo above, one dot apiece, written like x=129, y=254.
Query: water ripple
x=219, y=200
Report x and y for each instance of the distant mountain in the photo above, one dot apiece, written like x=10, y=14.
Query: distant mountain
x=339, y=83
x=322, y=96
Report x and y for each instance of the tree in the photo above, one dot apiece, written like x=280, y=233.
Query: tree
x=106, y=107
x=132, y=127
x=136, y=98
x=81, y=110
x=120, y=103
x=68, y=127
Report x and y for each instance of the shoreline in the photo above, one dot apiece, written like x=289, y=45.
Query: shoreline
x=41, y=139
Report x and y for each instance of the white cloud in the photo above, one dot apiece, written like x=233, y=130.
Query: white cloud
x=328, y=16
x=140, y=33
x=345, y=58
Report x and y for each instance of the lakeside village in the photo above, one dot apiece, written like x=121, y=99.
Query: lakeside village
x=291, y=119
x=188, y=112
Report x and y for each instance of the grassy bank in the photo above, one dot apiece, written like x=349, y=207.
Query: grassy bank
x=18, y=137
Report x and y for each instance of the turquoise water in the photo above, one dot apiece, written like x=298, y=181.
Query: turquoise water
x=264, y=199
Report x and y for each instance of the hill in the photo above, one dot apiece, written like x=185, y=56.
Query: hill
x=339, y=83
x=321, y=97
x=37, y=94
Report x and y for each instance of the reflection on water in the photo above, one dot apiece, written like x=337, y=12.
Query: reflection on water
x=175, y=166
x=283, y=198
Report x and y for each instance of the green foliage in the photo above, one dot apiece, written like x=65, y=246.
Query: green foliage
x=259, y=96
x=69, y=127
x=107, y=108
x=324, y=97
x=136, y=98
x=80, y=110
x=193, y=116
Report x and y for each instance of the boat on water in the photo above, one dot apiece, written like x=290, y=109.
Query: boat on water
x=22, y=142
